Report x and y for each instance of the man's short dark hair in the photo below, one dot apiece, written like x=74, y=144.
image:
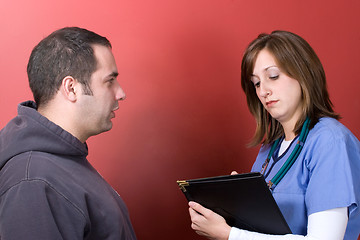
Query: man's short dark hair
x=65, y=52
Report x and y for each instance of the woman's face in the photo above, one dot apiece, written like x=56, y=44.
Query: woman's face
x=279, y=94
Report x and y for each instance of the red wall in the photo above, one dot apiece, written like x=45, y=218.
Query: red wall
x=185, y=115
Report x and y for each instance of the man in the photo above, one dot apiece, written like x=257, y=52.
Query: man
x=48, y=189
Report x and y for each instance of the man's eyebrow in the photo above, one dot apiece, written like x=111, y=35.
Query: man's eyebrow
x=114, y=74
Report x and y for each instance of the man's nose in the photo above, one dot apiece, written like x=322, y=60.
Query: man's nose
x=120, y=94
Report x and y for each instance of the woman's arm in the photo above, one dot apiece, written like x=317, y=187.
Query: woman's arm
x=326, y=225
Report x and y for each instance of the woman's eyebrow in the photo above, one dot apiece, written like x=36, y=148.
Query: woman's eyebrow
x=267, y=68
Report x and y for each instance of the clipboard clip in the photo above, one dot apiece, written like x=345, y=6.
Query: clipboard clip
x=271, y=185
x=182, y=184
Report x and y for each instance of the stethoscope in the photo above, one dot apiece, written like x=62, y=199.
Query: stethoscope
x=290, y=161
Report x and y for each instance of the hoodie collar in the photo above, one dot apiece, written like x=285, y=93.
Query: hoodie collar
x=30, y=131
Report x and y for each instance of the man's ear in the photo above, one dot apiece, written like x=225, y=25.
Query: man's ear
x=70, y=88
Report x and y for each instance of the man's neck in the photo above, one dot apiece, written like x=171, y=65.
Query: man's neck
x=58, y=114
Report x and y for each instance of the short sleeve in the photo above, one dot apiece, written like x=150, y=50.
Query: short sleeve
x=333, y=165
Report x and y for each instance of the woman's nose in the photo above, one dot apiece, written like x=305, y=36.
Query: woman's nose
x=264, y=90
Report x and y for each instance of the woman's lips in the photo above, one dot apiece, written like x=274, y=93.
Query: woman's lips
x=271, y=103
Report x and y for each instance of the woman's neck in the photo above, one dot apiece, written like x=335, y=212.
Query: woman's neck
x=289, y=130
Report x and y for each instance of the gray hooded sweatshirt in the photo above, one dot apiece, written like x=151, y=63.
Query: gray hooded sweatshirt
x=48, y=189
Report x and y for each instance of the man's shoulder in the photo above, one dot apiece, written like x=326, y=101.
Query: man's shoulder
x=32, y=165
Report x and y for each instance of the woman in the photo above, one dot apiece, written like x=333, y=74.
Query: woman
x=318, y=191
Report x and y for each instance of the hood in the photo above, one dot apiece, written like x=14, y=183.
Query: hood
x=30, y=131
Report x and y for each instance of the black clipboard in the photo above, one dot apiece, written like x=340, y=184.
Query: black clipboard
x=244, y=200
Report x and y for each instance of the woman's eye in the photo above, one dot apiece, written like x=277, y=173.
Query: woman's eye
x=255, y=80
x=274, y=77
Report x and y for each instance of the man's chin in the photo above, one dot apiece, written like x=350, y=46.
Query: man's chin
x=106, y=128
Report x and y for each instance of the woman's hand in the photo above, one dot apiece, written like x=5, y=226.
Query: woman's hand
x=208, y=223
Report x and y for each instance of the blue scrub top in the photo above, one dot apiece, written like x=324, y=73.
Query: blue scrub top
x=325, y=175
